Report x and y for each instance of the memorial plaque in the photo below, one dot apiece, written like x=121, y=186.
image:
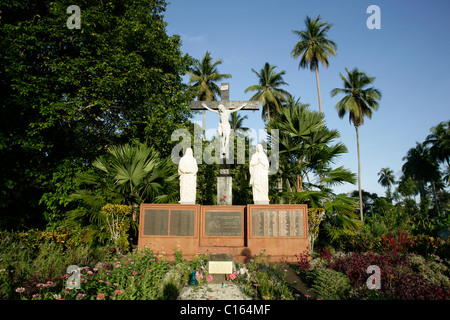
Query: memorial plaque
x=290, y=223
x=220, y=223
x=264, y=223
x=156, y=222
x=182, y=223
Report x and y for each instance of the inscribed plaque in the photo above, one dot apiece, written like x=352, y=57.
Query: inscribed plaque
x=290, y=223
x=156, y=222
x=219, y=223
x=182, y=223
x=264, y=223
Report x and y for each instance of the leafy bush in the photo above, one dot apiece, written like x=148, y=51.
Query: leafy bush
x=432, y=271
x=330, y=284
x=262, y=279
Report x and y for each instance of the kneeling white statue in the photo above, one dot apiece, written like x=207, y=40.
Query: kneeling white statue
x=187, y=169
x=259, y=176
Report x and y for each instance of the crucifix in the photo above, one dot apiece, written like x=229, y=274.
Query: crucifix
x=224, y=108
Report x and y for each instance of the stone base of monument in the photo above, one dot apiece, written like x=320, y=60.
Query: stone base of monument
x=261, y=202
x=239, y=231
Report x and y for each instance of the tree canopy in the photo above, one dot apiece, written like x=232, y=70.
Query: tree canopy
x=69, y=94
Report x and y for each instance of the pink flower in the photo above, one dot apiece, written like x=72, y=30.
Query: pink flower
x=81, y=295
x=118, y=291
x=36, y=296
x=232, y=276
x=256, y=285
x=20, y=290
x=100, y=296
x=210, y=278
x=134, y=272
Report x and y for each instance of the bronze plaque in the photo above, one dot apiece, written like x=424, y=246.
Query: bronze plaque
x=290, y=223
x=156, y=222
x=219, y=223
x=264, y=223
x=182, y=223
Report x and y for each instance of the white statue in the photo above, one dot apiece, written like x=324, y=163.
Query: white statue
x=187, y=169
x=259, y=176
x=224, y=125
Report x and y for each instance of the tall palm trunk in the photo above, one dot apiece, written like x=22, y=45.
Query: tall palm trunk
x=318, y=87
x=359, y=175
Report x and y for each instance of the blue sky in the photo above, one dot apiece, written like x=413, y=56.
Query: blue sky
x=409, y=56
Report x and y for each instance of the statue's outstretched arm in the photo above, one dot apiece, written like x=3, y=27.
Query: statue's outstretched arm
x=237, y=109
x=204, y=105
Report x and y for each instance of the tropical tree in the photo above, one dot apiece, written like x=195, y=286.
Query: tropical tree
x=268, y=91
x=236, y=123
x=203, y=75
x=359, y=101
x=422, y=168
x=68, y=94
x=307, y=152
x=387, y=179
x=439, y=142
x=314, y=47
x=128, y=174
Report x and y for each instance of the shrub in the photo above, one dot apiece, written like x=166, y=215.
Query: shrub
x=431, y=271
x=330, y=284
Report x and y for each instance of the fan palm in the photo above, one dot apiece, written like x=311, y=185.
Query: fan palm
x=268, y=91
x=314, y=47
x=359, y=101
x=203, y=76
x=387, y=179
x=129, y=174
x=306, y=169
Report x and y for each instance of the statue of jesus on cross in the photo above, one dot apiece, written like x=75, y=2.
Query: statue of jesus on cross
x=224, y=126
x=224, y=108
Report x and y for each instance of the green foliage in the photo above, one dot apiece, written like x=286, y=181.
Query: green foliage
x=130, y=175
x=68, y=94
x=268, y=91
x=329, y=284
x=264, y=280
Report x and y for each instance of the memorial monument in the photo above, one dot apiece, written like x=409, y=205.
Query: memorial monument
x=237, y=231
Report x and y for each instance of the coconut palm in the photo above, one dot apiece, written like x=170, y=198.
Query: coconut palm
x=359, y=101
x=268, y=91
x=236, y=123
x=439, y=142
x=421, y=167
x=203, y=76
x=387, y=179
x=314, y=47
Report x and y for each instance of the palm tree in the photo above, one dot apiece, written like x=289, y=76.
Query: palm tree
x=236, y=123
x=314, y=47
x=307, y=152
x=387, y=179
x=130, y=175
x=268, y=91
x=203, y=75
x=421, y=167
x=359, y=101
x=439, y=140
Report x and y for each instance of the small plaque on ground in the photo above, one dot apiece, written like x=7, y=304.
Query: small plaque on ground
x=221, y=264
